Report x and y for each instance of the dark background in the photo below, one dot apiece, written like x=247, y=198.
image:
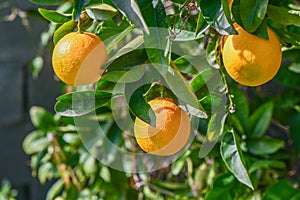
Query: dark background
x=19, y=91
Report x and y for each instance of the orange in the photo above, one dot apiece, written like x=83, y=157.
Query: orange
x=171, y=132
x=249, y=59
x=77, y=58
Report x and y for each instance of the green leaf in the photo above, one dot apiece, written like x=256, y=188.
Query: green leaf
x=45, y=172
x=101, y=11
x=105, y=86
x=283, y=189
x=223, y=188
x=267, y=164
x=177, y=165
x=35, y=142
x=214, y=15
x=36, y=65
x=259, y=121
x=119, y=76
x=184, y=64
x=253, y=13
x=48, y=2
x=211, y=51
x=41, y=118
x=125, y=62
x=265, y=145
x=241, y=106
x=79, y=4
x=139, y=107
x=295, y=67
x=63, y=30
x=169, y=185
x=233, y=158
x=159, y=90
x=55, y=190
x=72, y=192
x=80, y=103
x=283, y=15
x=202, y=25
x=53, y=16
x=178, y=85
x=90, y=166
x=131, y=10
x=156, y=41
x=214, y=132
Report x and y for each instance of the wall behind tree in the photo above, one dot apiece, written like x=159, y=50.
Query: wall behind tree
x=19, y=43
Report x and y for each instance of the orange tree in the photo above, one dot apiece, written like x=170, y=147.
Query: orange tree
x=213, y=84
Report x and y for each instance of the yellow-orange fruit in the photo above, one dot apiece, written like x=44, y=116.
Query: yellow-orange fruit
x=249, y=59
x=171, y=132
x=77, y=58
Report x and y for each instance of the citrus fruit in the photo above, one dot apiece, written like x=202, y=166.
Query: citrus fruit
x=171, y=132
x=251, y=60
x=77, y=58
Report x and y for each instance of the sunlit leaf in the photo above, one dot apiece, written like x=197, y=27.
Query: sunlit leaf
x=80, y=103
x=233, y=158
x=63, y=30
x=54, y=16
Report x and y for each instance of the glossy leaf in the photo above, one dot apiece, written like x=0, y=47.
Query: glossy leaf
x=177, y=84
x=253, y=13
x=259, y=121
x=214, y=15
x=156, y=41
x=185, y=65
x=131, y=10
x=139, y=107
x=233, y=158
x=264, y=146
x=284, y=16
x=122, y=76
x=48, y=2
x=101, y=11
x=202, y=25
x=81, y=103
x=53, y=16
x=126, y=61
x=63, y=30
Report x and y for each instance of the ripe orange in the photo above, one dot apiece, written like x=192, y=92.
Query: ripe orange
x=171, y=132
x=249, y=59
x=77, y=58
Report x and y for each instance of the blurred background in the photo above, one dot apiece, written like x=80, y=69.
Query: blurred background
x=19, y=43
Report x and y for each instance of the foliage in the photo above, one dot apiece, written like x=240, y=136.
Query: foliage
x=6, y=191
x=248, y=151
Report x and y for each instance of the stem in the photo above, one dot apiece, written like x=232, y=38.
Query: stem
x=66, y=171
